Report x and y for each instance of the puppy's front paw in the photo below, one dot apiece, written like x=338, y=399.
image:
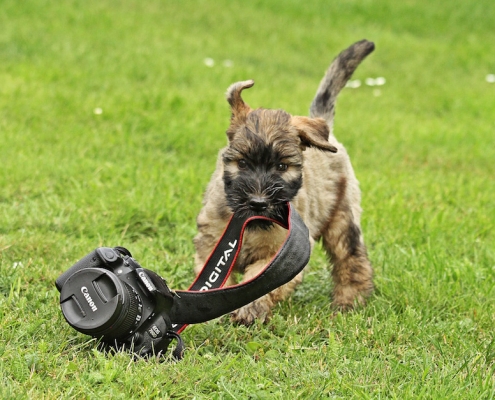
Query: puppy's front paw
x=347, y=298
x=258, y=309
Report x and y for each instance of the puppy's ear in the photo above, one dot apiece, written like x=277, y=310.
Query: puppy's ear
x=313, y=132
x=240, y=109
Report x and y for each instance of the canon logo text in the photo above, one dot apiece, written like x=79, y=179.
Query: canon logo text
x=84, y=291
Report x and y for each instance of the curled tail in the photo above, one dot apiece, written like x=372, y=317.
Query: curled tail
x=336, y=77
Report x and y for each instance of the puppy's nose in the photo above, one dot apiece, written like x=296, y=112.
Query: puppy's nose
x=258, y=204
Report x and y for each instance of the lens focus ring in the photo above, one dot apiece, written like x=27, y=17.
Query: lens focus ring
x=131, y=306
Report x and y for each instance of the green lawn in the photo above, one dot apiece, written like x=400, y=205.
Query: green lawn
x=110, y=122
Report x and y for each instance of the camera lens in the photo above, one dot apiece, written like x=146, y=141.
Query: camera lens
x=96, y=302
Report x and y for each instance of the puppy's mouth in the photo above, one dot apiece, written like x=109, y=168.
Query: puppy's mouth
x=249, y=198
x=258, y=206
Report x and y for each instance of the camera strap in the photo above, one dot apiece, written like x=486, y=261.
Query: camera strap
x=207, y=299
x=94, y=284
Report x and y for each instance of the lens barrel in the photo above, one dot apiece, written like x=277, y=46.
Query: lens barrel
x=96, y=302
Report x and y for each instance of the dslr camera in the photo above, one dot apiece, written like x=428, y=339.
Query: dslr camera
x=108, y=295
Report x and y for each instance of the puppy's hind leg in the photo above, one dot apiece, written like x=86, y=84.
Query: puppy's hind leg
x=352, y=272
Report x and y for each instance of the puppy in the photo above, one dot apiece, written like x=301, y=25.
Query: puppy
x=273, y=157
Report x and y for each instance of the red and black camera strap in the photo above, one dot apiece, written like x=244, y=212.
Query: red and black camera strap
x=207, y=298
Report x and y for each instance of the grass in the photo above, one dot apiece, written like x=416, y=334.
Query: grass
x=72, y=179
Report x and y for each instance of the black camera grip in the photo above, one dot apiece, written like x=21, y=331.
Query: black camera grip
x=89, y=261
x=102, y=257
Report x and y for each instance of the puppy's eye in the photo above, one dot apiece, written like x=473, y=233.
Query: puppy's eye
x=282, y=167
x=242, y=164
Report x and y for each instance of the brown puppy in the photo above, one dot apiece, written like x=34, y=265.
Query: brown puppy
x=273, y=157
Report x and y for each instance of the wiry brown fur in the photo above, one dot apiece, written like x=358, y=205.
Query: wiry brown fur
x=280, y=156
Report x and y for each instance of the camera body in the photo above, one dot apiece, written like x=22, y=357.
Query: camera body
x=108, y=295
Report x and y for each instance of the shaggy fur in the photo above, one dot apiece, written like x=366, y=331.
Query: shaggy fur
x=273, y=157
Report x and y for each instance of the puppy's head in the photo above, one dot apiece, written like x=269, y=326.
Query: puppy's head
x=264, y=159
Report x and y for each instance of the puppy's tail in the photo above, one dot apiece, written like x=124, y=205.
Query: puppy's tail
x=336, y=77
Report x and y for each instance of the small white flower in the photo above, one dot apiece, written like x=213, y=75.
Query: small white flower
x=228, y=63
x=370, y=81
x=490, y=78
x=380, y=81
x=209, y=62
x=353, y=84
x=98, y=111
